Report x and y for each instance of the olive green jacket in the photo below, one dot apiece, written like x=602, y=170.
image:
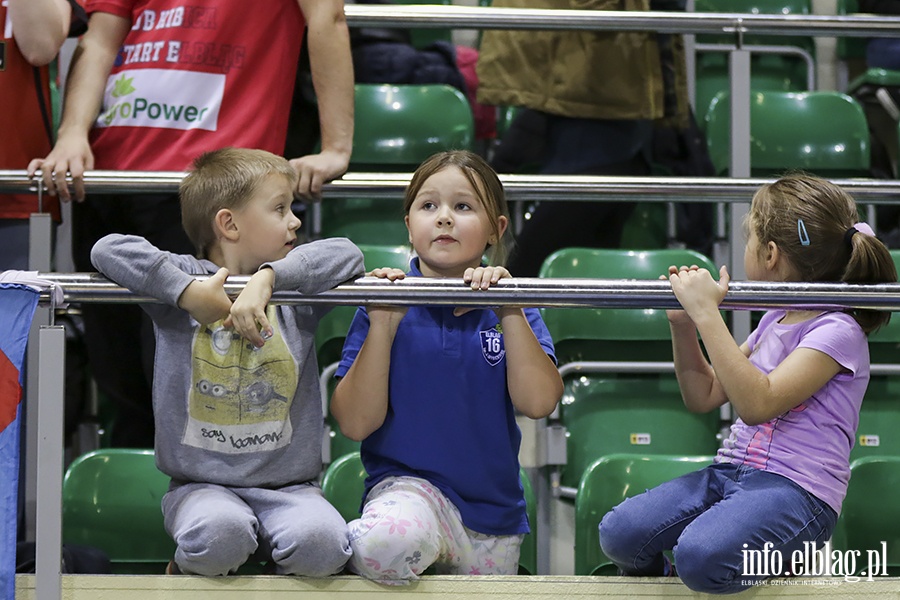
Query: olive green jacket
x=585, y=74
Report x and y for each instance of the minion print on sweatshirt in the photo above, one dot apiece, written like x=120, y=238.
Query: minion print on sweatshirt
x=240, y=395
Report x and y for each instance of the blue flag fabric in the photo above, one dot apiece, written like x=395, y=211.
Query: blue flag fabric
x=17, y=305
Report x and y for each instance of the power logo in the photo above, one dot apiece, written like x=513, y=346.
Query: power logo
x=162, y=99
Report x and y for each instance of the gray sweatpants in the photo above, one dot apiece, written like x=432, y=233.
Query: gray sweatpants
x=217, y=529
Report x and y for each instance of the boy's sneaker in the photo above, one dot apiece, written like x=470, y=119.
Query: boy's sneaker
x=172, y=568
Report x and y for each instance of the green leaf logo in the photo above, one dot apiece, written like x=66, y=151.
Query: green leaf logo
x=123, y=87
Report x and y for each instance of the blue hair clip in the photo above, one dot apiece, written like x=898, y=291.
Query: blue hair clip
x=801, y=231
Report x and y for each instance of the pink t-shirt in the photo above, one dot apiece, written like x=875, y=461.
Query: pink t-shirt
x=196, y=76
x=809, y=444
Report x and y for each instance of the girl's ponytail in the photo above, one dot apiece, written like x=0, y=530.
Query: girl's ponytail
x=870, y=262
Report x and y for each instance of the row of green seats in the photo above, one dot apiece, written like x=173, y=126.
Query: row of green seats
x=868, y=516
x=111, y=498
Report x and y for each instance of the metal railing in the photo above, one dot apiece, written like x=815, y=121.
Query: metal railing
x=525, y=291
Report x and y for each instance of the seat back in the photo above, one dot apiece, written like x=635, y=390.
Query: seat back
x=884, y=344
x=608, y=482
x=878, y=432
x=854, y=47
x=611, y=333
x=344, y=485
x=396, y=128
x=787, y=132
x=870, y=516
x=784, y=72
x=111, y=500
x=607, y=414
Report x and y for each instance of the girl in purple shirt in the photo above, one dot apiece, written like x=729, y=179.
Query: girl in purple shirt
x=796, y=384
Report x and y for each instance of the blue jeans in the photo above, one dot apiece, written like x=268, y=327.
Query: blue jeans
x=710, y=518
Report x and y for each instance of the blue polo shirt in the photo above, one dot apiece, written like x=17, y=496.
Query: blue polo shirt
x=450, y=419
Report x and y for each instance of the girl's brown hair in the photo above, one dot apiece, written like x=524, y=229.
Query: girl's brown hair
x=810, y=220
x=484, y=181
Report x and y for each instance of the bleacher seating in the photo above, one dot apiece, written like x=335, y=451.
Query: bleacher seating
x=111, y=500
x=605, y=413
x=869, y=516
x=609, y=481
x=783, y=72
x=788, y=132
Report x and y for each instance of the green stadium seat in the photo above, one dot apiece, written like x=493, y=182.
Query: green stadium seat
x=609, y=481
x=399, y=126
x=605, y=413
x=879, y=418
x=787, y=133
x=783, y=72
x=613, y=334
x=854, y=47
x=632, y=414
x=344, y=484
x=870, y=514
x=111, y=500
x=646, y=227
x=396, y=128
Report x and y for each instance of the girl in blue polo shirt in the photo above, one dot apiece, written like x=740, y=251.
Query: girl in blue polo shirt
x=432, y=393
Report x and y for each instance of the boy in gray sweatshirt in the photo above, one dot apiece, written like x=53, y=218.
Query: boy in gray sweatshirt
x=235, y=385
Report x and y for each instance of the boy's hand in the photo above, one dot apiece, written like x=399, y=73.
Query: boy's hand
x=207, y=301
x=482, y=278
x=248, y=313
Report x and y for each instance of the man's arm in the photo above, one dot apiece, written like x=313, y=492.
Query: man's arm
x=332, y=70
x=39, y=27
x=91, y=65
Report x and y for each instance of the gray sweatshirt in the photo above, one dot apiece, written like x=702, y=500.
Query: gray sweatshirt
x=226, y=412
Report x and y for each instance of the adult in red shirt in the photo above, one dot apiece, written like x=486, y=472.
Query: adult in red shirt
x=153, y=84
x=32, y=33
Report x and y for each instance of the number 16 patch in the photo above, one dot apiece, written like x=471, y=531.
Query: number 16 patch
x=492, y=346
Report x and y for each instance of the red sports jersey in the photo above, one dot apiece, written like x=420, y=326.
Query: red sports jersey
x=196, y=76
x=23, y=135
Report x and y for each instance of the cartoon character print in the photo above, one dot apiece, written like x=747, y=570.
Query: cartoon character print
x=240, y=395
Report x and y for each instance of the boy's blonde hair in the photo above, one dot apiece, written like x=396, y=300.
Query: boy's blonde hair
x=484, y=180
x=224, y=178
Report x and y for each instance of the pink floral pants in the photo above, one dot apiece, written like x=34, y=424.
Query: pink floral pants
x=408, y=525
